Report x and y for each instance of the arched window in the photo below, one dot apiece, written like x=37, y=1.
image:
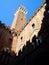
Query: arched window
x=40, y=39
x=48, y=11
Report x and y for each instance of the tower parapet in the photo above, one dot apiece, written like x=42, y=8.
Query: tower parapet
x=22, y=9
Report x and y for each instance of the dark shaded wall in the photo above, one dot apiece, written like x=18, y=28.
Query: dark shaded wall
x=44, y=32
x=5, y=37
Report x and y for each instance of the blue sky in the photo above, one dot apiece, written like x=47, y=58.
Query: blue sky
x=9, y=7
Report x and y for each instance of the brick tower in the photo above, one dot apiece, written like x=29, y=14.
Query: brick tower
x=19, y=21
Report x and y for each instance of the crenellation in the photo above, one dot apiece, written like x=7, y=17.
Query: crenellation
x=22, y=9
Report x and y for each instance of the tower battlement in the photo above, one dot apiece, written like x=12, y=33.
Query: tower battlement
x=23, y=9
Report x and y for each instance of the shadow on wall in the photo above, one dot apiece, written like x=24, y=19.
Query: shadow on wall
x=32, y=54
x=44, y=32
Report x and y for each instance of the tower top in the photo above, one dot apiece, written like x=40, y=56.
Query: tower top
x=22, y=9
x=20, y=18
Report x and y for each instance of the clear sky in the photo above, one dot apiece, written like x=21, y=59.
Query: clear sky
x=9, y=7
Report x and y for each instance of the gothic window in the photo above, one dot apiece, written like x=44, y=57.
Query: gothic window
x=48, y=11
x=33, y=25
x=40, y=39
x=37, y=42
